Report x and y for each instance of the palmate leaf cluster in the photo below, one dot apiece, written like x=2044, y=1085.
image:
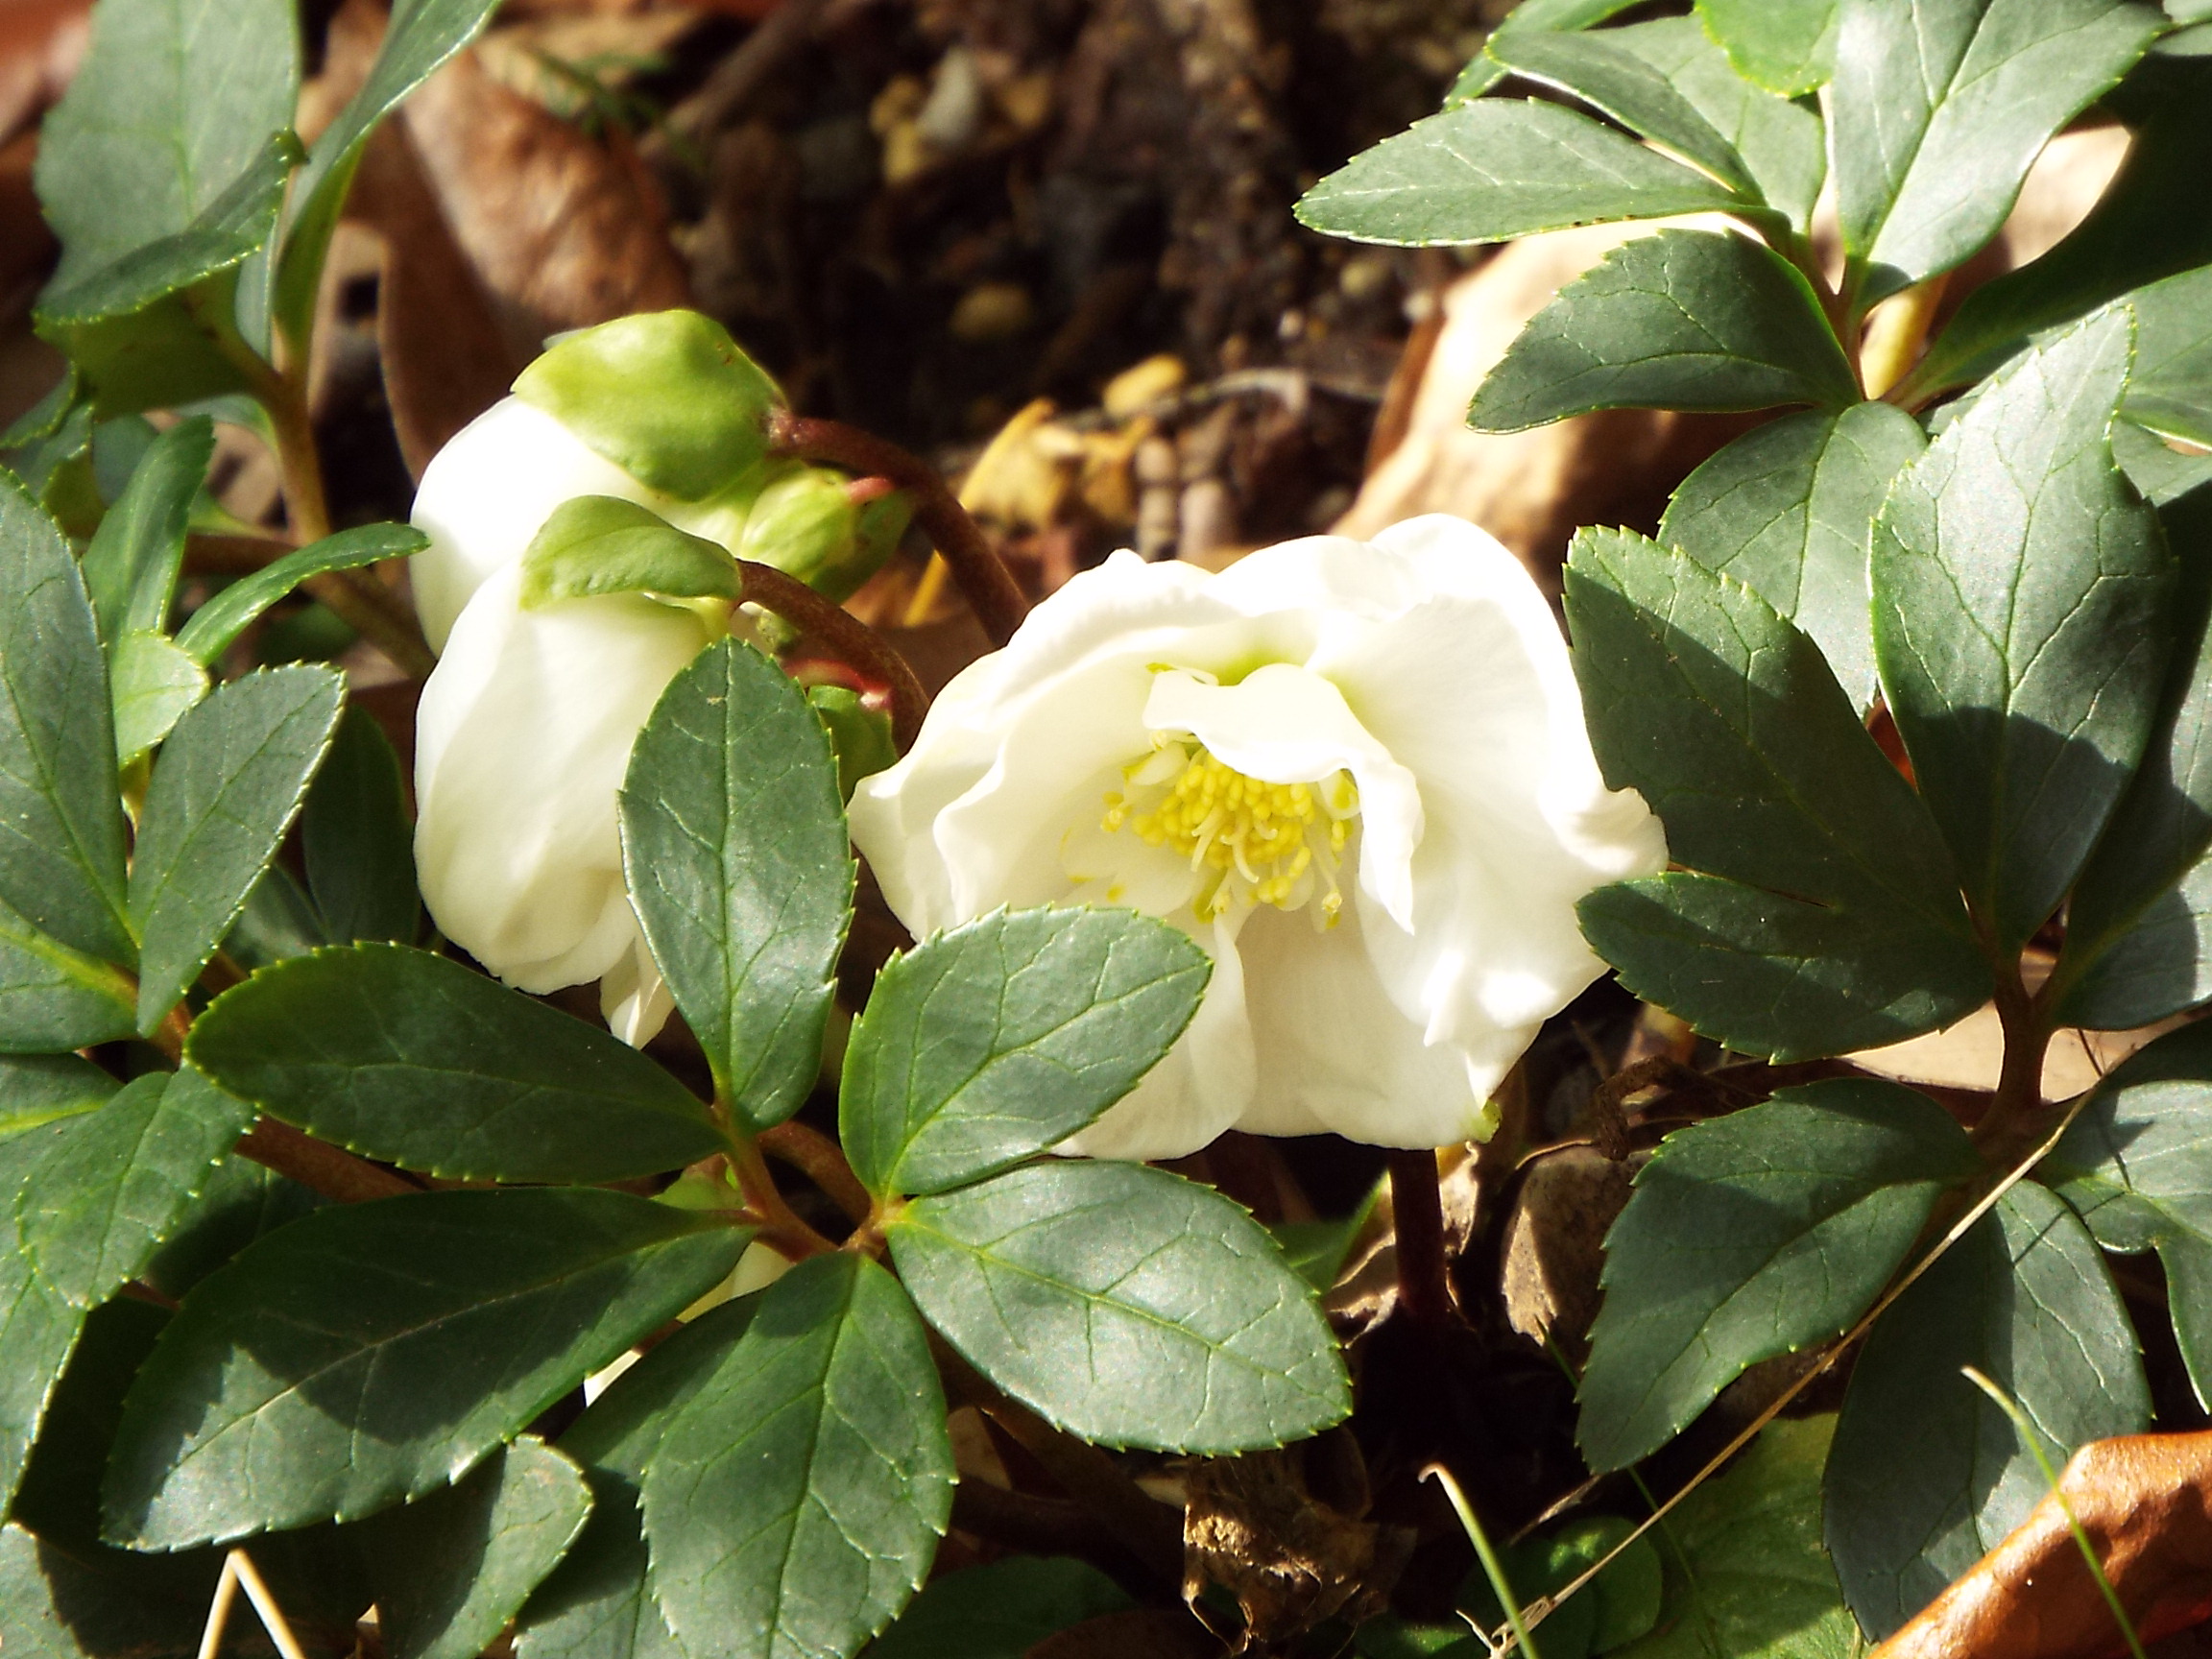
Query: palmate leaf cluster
x=1996, y=546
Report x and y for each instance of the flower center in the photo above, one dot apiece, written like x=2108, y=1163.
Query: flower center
x=1250, y=841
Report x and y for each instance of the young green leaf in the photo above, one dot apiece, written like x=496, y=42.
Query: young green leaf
x=1786, y=510
x=738, y=864
x=2137, y=1165
x=999, y=1611
x=358, y=840
x=421, y=35
x=36, y=1089
x=131, y=563
x=986, y=1045
x=1939, y=107
x=1126, y=1305
x=224, y=792
x=1823, y=915
x=111, y=1187
x=52, y=998
x=1485, y=71
x=38, y=1327
x=2022, y=623
x=1782, y=143
x=2132, y=237
x=1784, y=46
x=2171, y=390
x=2139, y=922
x=368, y=1352
x=1744, y=1570
x=1680, y=319
x=597, y=1604
x=603, y=545
x=1752, y=1236
x=216, y=624
x=154, y=683
x=1926, y=1473
x=404, y=1056
x=452, y=1567
x=795, y=1502
x=60, y=823
x=1496, y=169
x=161, y=327
x=1596, y=68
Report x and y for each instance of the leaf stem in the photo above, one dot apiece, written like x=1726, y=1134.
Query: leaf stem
x=1417, y=1218
x=821, y=1161
x=330, y=1170
x=860, y=644
x=991, y=591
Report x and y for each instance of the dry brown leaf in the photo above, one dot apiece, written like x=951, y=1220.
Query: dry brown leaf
x=1555, y=1242
x=1141, y=1633
x=2146, y=1502
x=41, y=44
x=1366, y=1289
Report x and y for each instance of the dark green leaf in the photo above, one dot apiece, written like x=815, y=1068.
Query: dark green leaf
x=1782, y=143
x=52, y=998
x=1602, y=72
x=153, y=684
x=999, y=1611
x=2171, y=390
x=1496, y=169
x=1680, y=319
x=38, y=1089
x=224, y=792
x=1751, y=1235
x=38, y=1326
x=597, y=1604
x=796, y=1500
x=406, y=1057
x=986, y=1045
x=2137, y=1165
x=1786, y=510
x=1824, y=917
x=2139, y=924
x=1784, y=46
x=2132, y=237
x=242, y=1201
x=2162, y=472
x=1927, y=1474
x=130, y=565
x=109, y=1187
x=2022, y=622
x=860, y=736
x=1485, y=71
x=368, y=1352
x=358, y=840
x=231, y=613
x=736, y=848
x=603, y=545
x=159, y=326
x=1614, y=1608
x=1938, y=107
x=421, y=34
x=453, y=1567
x=1126, y=1305
x=1317, y=1250
x=1744, y=1573
x=277, y=923
x=60, y=823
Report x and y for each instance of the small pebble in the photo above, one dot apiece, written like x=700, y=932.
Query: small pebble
x=992, y=311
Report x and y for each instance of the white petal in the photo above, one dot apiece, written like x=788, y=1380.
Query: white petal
x=633, y=996
x=522, y=737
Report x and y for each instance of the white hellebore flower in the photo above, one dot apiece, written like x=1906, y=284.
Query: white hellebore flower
x=1357, y=773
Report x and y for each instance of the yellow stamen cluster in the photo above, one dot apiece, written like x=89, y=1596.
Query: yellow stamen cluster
x=1263, y=843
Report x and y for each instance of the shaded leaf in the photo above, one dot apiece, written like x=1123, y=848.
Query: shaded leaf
x=216, y=624
x=2171, y=390
x=795, y=1502
x=998, y=1611
x=1613, y=1609
x=1939, y=107
x=2022, y=623
x=60, y=823
x=735, y=847
x=1126, y=1305
x=1599, y=70
x=359, y=839
x=1784, y=46
x=224, y=792
x=38, y=1326
x=38, y=1089
x=452, y=1567
x=131, y=563
x=154, y=683
x=241, y=1202
x=369, y=1352
x=1752, y=1236
x=1680, y=319
x=1926, y=1473
x=413, y=1060
x=1496, y=169
x=1786, y=510
x=1002, y=1038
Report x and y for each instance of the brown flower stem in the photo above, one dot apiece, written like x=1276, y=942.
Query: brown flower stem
x=1417, y=1214
x=821, y=1159
x=319, y=1165
x=780, y=1228
x=853, y=639
x=991, y=591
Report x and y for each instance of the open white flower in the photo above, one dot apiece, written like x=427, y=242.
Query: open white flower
x=1358, y=773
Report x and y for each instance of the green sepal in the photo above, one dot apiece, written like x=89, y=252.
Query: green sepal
x=860, y=736
x=595, y=544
